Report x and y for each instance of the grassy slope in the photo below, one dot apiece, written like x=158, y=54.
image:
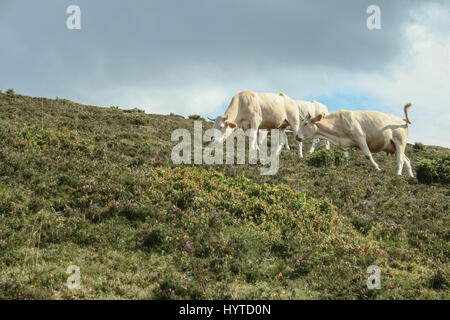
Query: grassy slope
x=95, y=187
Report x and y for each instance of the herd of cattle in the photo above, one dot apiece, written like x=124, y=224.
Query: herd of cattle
x=370, y=131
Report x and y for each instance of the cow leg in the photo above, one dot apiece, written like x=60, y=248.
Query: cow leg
x=253, y=139
x=365, y=149
x=400, y=162
x=314, y=145
x=253, y=136
x=408, y=165
x=402, y=158
x=260, y=138
x=294, y=123
x=285, y=139
x=280, y=143
x=327, y=144
x=300, y=149
x=346, y=154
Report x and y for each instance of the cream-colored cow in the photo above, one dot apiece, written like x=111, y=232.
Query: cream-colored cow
x=252, y=110
x=312, y=108
x=371, y=131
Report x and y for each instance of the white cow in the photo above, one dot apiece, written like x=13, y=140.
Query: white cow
x=313, y=108
x=371, y=131
x=252, y=110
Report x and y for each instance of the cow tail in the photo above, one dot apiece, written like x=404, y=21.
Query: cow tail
x=405, y=109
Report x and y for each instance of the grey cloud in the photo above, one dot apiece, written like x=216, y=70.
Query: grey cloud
x=177, y=43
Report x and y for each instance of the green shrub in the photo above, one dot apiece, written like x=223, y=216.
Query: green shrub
x=438, y=280
x=195, y=117
x=156, y=239
x=418, y=146
x=434, y=171
x=326, y=158
x=10, y=92
x=134, y=110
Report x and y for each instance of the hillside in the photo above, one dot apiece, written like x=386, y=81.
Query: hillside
x=95, y=187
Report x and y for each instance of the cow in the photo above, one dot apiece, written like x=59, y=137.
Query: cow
x=252, y=110
x=370, y=131
x=313, y=108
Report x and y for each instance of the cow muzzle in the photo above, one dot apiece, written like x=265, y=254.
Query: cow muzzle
x=299, y=139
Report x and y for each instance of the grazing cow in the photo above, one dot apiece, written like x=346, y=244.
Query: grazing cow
x=252, y=110
x=371, y=131
x=313, y=108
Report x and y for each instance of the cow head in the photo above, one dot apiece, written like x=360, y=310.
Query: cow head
x=308, y=127
x=225, y=127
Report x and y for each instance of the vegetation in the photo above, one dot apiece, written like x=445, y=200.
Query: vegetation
x=327, y=158
x=95, y=187
x=438, y=170
x=418, y=146
x=195, y=117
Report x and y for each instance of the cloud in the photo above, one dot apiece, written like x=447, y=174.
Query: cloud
x=423, y=77
x=192, y=56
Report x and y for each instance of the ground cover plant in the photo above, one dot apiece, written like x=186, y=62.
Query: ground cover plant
x=95, y=187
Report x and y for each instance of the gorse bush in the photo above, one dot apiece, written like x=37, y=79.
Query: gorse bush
x=10, y=92
x=205, y=191
x=434, y=171
x=195, y=117
x=326, y=158
x=134, y=110
x=418, y=146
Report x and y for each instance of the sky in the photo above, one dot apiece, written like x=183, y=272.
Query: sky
x=191, y=57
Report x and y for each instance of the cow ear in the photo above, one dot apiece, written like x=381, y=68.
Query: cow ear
x=231, y=124
x=317, y=119
x=308, y=116
x=301, y=118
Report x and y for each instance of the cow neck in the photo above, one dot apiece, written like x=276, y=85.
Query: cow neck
x=231, y=114
x=232, y=109
x=325, y=130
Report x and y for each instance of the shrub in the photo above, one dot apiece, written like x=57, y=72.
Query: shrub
x=434, y=171
x=10, y=92
x=134, y=110
x=195, y=117
x=438, y=280
x=326, y=158
x=156, y=239
x=418, y=146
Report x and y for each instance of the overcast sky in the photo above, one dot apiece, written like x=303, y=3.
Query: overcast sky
x=191, y=57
